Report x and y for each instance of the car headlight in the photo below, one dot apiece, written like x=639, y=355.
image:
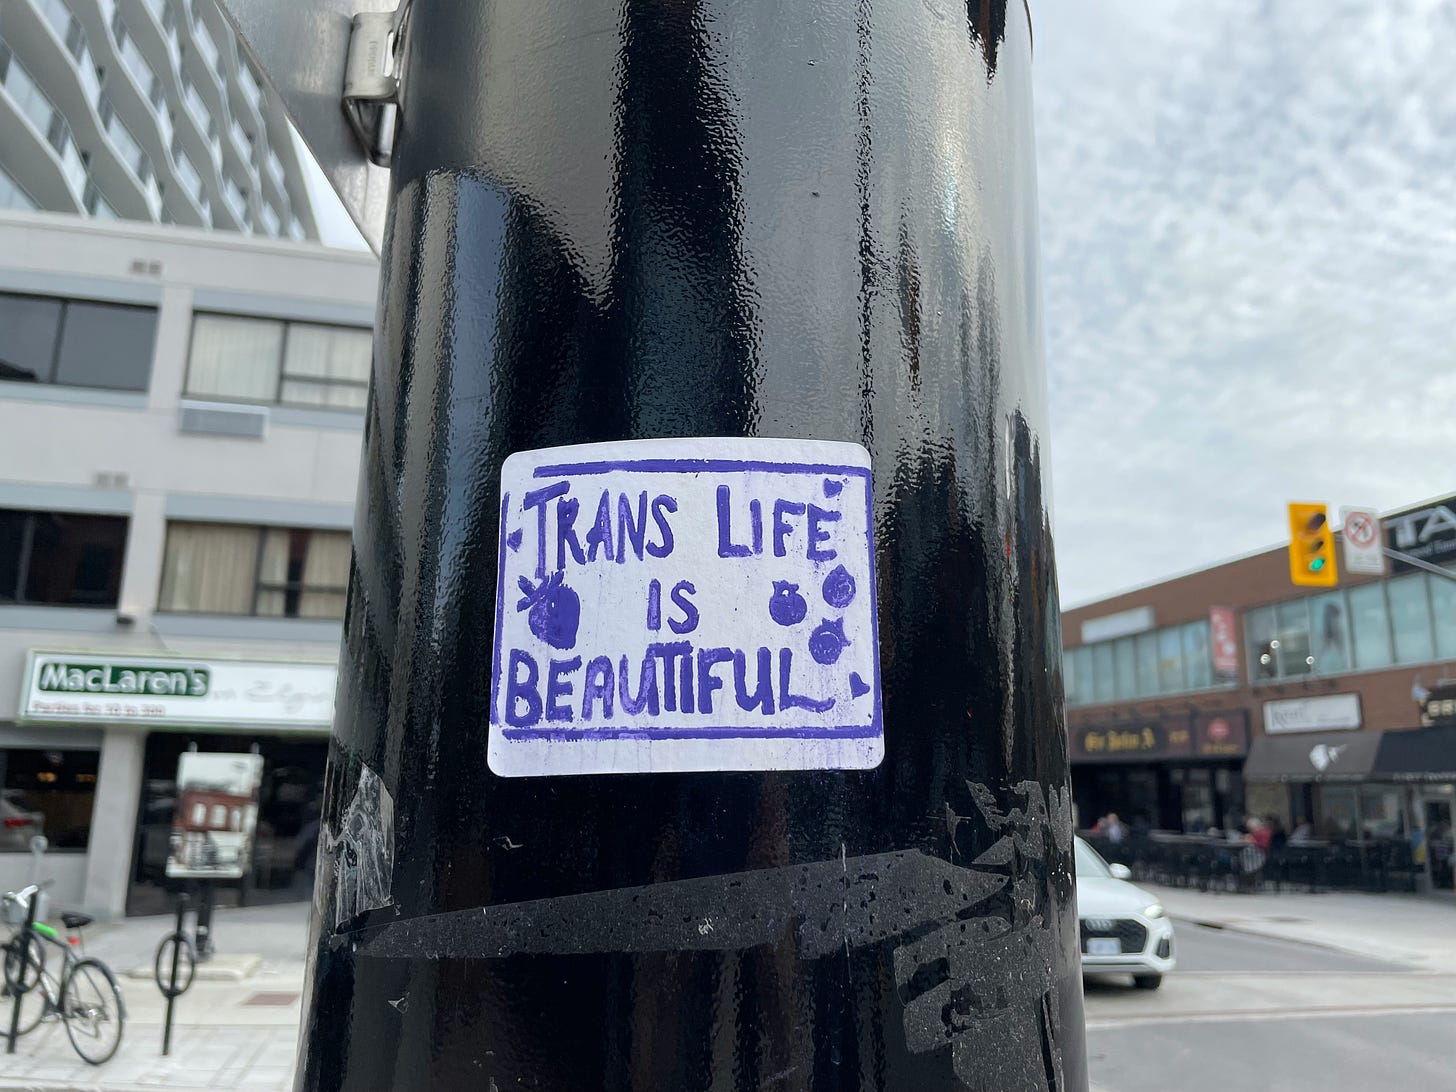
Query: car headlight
x=1154, y=911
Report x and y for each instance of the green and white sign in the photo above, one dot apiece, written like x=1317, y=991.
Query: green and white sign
x=89, y=688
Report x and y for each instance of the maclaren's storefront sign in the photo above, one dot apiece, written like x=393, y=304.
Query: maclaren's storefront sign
x=1202, y=735
x=92, y=688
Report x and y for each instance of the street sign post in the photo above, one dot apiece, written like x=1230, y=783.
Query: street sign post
x=1364, y=545
x=700, y=719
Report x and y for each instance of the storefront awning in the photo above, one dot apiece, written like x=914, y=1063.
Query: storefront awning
x=1422, y=754
x=1313, y=756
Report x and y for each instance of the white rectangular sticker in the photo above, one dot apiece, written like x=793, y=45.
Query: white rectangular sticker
x=688, y=604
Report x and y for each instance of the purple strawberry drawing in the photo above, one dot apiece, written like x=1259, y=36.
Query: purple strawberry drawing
x=827, y=641
x=555, y=610
x=839, y=588
x=786, y=606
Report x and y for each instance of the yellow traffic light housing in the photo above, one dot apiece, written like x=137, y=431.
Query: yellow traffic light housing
x=1311, y=547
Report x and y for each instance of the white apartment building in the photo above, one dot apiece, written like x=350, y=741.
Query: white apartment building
x=180, y=425
x=143, y=110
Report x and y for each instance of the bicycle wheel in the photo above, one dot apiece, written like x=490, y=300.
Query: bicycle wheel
x=186, y=964
x=41, y=991
x=92, y=1008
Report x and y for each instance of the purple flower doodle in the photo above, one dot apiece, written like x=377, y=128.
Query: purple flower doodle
x=839, y=588
x=555, y=610
x=827, y=641
x=786, y=606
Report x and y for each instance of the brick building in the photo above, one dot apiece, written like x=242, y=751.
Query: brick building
x=1229, y=691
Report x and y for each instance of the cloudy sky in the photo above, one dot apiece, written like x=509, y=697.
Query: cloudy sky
x=1248, y=214
x=1249, y=247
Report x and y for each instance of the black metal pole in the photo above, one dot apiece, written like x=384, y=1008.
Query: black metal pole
x=206, y=900
x=644, y=219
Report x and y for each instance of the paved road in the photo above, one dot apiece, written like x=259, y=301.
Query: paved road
x=1244, y=1012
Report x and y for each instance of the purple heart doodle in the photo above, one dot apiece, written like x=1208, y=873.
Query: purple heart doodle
x=832, y=488
x=513, y=540
x=858, y=688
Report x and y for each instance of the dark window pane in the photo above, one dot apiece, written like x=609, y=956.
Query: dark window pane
x=107, y=345
x=28, y=328
x=49, y=793
x=75, y=560
x=12, y=533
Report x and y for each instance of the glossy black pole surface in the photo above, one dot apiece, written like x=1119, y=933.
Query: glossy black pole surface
x=656, y=218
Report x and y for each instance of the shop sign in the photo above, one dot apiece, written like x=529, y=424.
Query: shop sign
x=1222, y=735
x=1427, y=533
x=1207, y=735
x=1224, y=643
x=1330, y=712
x=1438, y=706
x=1120, y=744
x=90, y=688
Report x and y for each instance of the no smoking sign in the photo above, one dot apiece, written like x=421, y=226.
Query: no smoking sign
x=1364, y=552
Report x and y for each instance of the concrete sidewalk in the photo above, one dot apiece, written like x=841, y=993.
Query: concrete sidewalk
x=1412, y=929
x=236, y=1028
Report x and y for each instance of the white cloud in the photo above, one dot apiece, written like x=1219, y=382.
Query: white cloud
x=1249, y=252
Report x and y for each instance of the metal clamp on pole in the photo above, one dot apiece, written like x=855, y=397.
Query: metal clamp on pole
x=372, y=80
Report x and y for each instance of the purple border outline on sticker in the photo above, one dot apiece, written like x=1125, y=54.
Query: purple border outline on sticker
x=873, y=730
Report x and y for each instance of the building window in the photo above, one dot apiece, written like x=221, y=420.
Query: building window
x=1370, y=622
x=1197, y=661
x=48, y=793
x=269, y=360
x=1408, y=619
x=1329, y=633
x=1170, y=660
x=1292, y=639
x=60, y=558
x=76, y=343
x=1443, y=614
x=275, y=572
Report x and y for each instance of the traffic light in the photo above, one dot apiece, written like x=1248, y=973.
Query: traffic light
x=1311, y=547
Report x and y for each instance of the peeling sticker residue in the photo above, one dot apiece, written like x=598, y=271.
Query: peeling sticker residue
x=362, y=850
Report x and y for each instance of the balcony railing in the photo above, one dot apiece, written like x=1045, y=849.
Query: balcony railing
x=73, y=36
x=42, y=113
x=251, y=86
x=190, y=176
x=237, y=201
x=275, y=165
x=121, y=139
x=13, y=195
x=205, y=45
x=133, y=61
x=196, y=106
x=242, y=140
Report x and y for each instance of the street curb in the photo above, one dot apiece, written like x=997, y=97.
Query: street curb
x=1253, y=930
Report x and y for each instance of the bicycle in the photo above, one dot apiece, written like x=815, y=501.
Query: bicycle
x=85, y=996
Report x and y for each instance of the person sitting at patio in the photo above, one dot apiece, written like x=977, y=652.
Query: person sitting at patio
x=1259, y=834
x=1302, y=833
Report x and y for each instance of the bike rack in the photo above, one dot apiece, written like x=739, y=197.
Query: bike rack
x=18, y=986
x=170, y=989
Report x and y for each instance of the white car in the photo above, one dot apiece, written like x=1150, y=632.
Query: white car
x=1124, y=930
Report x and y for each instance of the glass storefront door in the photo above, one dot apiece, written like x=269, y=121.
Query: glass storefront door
x=288, y=811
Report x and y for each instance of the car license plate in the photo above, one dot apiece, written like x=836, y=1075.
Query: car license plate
x=1104, y=946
